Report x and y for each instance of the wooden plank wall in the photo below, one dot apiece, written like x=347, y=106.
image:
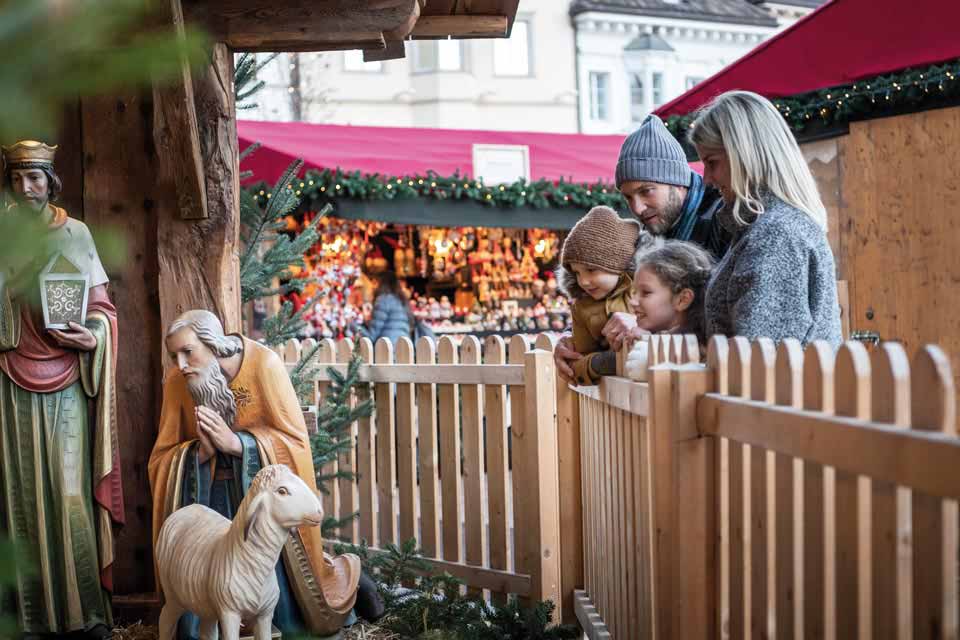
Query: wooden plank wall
x=892, y=191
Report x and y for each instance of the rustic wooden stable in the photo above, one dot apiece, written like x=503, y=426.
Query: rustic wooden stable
x=769, y=491
x=161, y=168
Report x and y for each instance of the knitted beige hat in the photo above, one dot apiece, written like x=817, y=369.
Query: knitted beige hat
x=603, y=240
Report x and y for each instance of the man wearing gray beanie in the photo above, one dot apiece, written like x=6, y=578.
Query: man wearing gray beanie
x=670, y=200
x=665, y=195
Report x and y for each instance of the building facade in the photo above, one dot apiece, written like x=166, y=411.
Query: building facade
x=587, y=66
x=524, y=83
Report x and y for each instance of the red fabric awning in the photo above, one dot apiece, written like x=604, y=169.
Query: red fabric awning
x=407, y=151
x=841, y=42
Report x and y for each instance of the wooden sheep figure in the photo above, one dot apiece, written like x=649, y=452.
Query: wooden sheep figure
x=225, y=571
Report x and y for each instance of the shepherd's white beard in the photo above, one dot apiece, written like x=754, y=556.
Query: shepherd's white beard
x=209, y=388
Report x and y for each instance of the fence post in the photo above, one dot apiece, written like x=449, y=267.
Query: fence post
x=571, y=490
x=536, y=507
x=661, y=461
x=695, y=533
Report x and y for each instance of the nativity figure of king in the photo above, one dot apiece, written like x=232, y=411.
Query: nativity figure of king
x=59, y=458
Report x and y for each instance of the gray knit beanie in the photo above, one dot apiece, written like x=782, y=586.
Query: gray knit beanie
x=652, y=154
x=603, y=240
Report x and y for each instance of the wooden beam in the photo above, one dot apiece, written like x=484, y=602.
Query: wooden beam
x=908, y=458
x=427, y=373
x=198, y=259
x=303, y=25
x=394, y=50
x=461, y=26
x=176, y=133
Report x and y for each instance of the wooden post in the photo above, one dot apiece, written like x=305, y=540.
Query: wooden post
x=571, y=491
x=789, y=501
x=819, y=591
x=198, y=263
x=536, y=511
x=347, y=487
x=327, y=354
x=429, y=479
x=892, y=542
x=498, y=481
x=407, y=447
x=934, y=409
x=448, y=395
x=386, y=448
x=366, y=461
x=661, y=463
x=853, y=552
x=473, y=457
x=694, y=487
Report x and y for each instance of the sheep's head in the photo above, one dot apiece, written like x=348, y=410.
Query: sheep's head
x=281, y=495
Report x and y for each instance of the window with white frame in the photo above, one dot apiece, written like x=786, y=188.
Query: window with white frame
x=438, y=55
x=353, y=61
x=638, y=101
x=657, y=86
x=693, y=81
x=512, y=57
x=599, y=95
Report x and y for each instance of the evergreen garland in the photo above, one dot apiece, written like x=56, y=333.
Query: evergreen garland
x=330, y=184
x=857, y=100
x=422, y=606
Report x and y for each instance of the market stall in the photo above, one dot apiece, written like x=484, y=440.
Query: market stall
x=475, y=253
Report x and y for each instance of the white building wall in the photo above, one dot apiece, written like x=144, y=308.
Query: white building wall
x=700, y=49
x=395, y=94
x=554, y=97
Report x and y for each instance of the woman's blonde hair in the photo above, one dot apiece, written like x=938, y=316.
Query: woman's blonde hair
x=763, y=154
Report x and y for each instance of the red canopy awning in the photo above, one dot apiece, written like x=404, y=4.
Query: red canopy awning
x=841, y=42
x=407, y=151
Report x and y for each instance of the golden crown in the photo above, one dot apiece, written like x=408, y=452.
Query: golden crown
x=28, y=151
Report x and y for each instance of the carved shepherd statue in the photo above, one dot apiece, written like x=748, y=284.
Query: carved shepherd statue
x=229, y=409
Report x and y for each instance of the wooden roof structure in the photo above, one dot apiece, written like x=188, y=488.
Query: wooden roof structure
x=379, y=27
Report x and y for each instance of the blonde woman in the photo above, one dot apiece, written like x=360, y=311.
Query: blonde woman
x=777, y=279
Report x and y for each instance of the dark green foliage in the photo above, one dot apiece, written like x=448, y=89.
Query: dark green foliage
x=245, y=81
x=55, y=52
x=433, y=607
x=268, y=253
x=334, y=417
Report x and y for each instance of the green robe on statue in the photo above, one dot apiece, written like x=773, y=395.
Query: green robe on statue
x=59, y=463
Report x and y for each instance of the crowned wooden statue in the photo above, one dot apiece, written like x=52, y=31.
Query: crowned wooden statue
x=58, y=352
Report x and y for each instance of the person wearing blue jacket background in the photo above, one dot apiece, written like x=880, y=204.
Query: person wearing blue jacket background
x=392, y=317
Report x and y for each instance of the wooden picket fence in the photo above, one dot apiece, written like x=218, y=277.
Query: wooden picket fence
x=771, y=492
x=432, y=462
x=768, y=491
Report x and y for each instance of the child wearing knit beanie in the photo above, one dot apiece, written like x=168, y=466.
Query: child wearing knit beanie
x=597, y=261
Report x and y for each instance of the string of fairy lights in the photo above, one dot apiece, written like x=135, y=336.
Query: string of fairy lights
x=836, y=105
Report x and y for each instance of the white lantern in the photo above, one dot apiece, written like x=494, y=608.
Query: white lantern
x=63, y=293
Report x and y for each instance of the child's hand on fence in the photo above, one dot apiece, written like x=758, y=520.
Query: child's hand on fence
x=563, y=355
x=619, y=327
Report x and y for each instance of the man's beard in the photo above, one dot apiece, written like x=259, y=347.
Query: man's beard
x=209, y=388
x=37, y=204
x=667, y=216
